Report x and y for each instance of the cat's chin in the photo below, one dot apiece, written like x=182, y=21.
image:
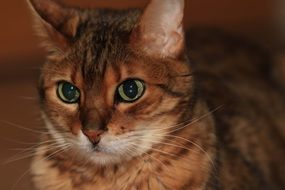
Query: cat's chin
x=101, y=157
x=104, y=159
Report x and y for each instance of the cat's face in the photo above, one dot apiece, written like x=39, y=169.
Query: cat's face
x=113, y=93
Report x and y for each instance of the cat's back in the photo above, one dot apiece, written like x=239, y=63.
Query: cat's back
x=233, y=75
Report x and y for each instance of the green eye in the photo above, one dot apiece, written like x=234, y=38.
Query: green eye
x=130, y=90
x=68, y=93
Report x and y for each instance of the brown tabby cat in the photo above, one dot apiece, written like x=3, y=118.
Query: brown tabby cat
x=126, y=109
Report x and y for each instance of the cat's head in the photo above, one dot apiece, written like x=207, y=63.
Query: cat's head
x=115, y=82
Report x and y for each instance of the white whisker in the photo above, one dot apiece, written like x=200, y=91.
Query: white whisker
x=21, y=127
x=29, y=170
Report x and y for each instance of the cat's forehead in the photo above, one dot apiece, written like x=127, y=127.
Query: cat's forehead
x=107, y=29
x=102, y=42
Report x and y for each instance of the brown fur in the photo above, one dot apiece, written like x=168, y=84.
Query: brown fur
x=214, y=124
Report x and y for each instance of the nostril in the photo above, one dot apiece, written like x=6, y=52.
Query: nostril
x=93, y=135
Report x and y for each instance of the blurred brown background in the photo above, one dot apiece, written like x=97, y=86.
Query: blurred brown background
x=17, y=39
x=20, y=58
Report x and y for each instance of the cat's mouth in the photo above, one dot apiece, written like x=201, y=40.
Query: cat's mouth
x=103, y=153
x=105, y=146
x=99, y=149
x=113, y=149
x=97, y=145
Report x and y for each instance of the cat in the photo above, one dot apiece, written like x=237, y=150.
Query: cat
x=128, y=105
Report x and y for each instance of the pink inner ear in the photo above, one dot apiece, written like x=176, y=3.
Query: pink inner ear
x=160, y=31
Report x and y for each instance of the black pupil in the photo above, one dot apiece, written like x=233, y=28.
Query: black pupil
x=69, y=91
x=130, y=89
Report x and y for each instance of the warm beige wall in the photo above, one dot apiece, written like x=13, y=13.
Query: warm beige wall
x=17, y=39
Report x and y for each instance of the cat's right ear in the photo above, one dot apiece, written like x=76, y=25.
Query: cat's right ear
x=55, y=23
x=160, y=29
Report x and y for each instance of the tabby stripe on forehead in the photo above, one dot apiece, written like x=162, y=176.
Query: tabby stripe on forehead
x=169, y=91
x=73, y=75
x=84, y=61
x=117, y=72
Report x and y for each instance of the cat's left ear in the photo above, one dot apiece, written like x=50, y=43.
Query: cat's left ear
x=56, y=24
x=160, y=30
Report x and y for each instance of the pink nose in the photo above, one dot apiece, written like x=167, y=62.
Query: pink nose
x=93, y=135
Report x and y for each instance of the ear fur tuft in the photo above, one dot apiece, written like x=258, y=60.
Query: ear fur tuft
x=55, y=23
x=160, y=31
